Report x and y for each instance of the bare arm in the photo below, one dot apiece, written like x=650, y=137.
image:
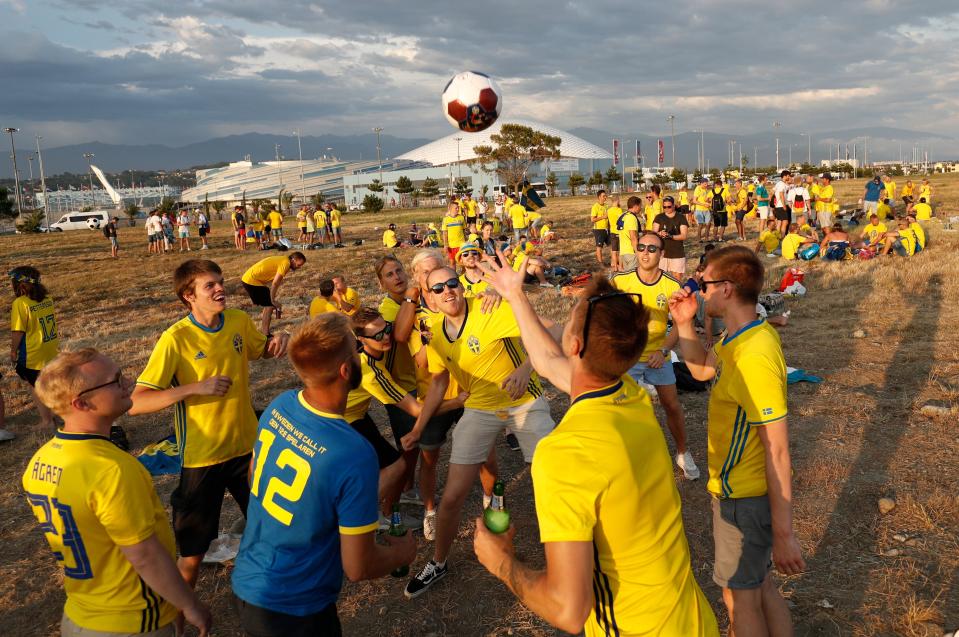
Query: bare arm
x=434, y=397
x=15, y=339
x=406, y=317
x=148, y=400
x=786, y=551
x=155, y=566
x=701, y=364
x=275, y=289
x=364, y=559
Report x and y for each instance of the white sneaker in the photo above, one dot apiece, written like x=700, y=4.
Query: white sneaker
x=205, y=248
x=429, y=526
x=6, y=435
x=411, y=497
x=688, y=465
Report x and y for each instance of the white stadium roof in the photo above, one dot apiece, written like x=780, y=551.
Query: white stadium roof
x=444, y=151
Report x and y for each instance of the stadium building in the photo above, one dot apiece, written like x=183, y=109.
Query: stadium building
x=446, y=161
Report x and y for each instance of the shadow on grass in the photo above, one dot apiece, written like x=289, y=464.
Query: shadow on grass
x=851, y=528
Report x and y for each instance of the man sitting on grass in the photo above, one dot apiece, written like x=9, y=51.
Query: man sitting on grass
x=874, y=232
x=793, y=243
x=769, y=239
x=901, y=241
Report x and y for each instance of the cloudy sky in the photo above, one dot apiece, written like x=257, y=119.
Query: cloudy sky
x=177, y=71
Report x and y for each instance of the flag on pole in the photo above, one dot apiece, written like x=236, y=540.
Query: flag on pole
x=661, y=151
x=615, y=152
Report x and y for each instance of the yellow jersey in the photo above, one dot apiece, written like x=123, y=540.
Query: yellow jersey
x=651, y=211
x=471, y=289
x=263, y=272
x=275, y=219
x=455, y=229
x=741, y=195
x=257, y=221
x=683, y=198
x=41, y=341
x=815, y=191
x=826, y=192
x=769, y=239
x=873, y=233
x=891, y=189
x=655, y=297
x=301, y=219
x=389, y=239
x=613, y=213
x=377, y=383
x=908, y=240
x=471, y=208
x=907, y=190
x=351, y=297
x=481, y=356
x=920, y=234
x=209, y=429
x=321, y=305
x=629, y=223
x=319, y=218
x=790, y=245
x=883, y=211
x=923, y=211
x=531, y=216
x=925, y=192
x=599, y=217
x=605, y=476
x=91, y=498
x=335, y=218
x=507, y=204
x=750, y=391
x=399, y=360
x=699, y=194
x=517, y=216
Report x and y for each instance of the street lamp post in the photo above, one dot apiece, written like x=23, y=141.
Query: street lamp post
x=43, y=184
x=33, y=194
x=16, y=171
x=777, y=126
x=379, y=161
x=300, y=148
x=672, y=136
x=88, y=157
x=459, y=168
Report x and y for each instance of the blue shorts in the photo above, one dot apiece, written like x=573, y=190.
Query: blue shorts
x=900, y=248
x=702, y=216
x=642, y=373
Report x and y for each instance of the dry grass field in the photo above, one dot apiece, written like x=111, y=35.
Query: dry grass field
x=856, y=437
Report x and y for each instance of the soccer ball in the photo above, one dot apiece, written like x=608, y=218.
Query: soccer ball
x=93, y=224
x=472, y=101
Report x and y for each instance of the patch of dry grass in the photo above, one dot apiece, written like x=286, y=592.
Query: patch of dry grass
x=856, y=437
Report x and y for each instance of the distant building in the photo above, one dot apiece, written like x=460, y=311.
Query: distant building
x=830, y=163
x=67, y=200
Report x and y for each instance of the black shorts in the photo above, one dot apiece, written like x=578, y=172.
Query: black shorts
x=198, y=498
x=614, y=242
x=740, y=215
x=601, y=237
x=683, y=210
x=907, y=199
x=263, y=622
x=203, y=231
x=782, y=214
x=27, y=374
x=720, y=218
x=386, y=454
x=434, y=434
x=259, y=294
x=471, y=221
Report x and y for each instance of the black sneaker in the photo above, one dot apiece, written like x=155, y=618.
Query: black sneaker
x=430, y=574
x=119, y=437
x=513, y=442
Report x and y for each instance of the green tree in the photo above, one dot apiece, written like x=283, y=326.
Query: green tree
x=287, y=200
x=403, y=187
x=218, y=206
x=678, y=175
x=30, y=221
x=575, y=181
x=259, y=204
x=430, y=188
x=131, y=210
x=317, y=199
x=552, y=181
x=461, y=186
x=515, y=149
x=166, y=204
x=372, y=203
x=697, y=176
x=713, y=174
x=416, y=195
x=611, y=177
x=375, y=186
x=485, y=190
x=661, y=179
x=7, y=208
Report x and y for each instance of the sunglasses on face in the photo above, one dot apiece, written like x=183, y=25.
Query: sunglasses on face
x=437, y=288
x=471, y=253
x=705, y=284
x=647, y=247
x=593, y=300
x=118, y=381
x=667, y=206
x=383, y=333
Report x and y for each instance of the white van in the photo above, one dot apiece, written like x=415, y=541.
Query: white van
x=91, y=220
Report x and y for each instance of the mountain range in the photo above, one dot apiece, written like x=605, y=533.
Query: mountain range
x=884, y=143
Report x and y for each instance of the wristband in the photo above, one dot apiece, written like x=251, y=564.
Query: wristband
x=409, y=300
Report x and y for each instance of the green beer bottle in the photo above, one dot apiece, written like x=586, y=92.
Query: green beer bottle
x=398, y=529
x=496, y=516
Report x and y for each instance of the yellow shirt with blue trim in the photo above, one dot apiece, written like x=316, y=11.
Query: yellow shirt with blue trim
x=377, y=383
x=627, y=223
x=399, y=359
x=613, y=213
x=319, y=218
x=481, y=356
x=920, y=234
x=37, y=321
x=455, y=229
x=873, y=233
x=605, y=476
x=908, y=240
x=655, y=297
x=264, y=271
x=749, y=392
x=209, y=429
x=91, y=498
x=471, y=289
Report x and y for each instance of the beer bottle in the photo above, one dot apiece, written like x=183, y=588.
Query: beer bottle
x=496, y=516
x=398, y=529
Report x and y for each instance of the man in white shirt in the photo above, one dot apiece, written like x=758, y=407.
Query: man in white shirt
x=781, y=211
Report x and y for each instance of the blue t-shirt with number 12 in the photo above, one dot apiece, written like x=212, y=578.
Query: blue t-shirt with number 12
x=314, y=477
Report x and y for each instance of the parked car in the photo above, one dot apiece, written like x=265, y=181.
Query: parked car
x=92, y=220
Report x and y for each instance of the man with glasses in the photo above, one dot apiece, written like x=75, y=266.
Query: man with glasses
x=479, y=351
x=100, y=513
x=750, y=471
x=672, y=227
x=200, y=366
x=655, y=366
x=609, y=513
x=374, y=341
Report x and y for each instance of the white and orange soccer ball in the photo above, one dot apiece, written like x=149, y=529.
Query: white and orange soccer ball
x=472, y=101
